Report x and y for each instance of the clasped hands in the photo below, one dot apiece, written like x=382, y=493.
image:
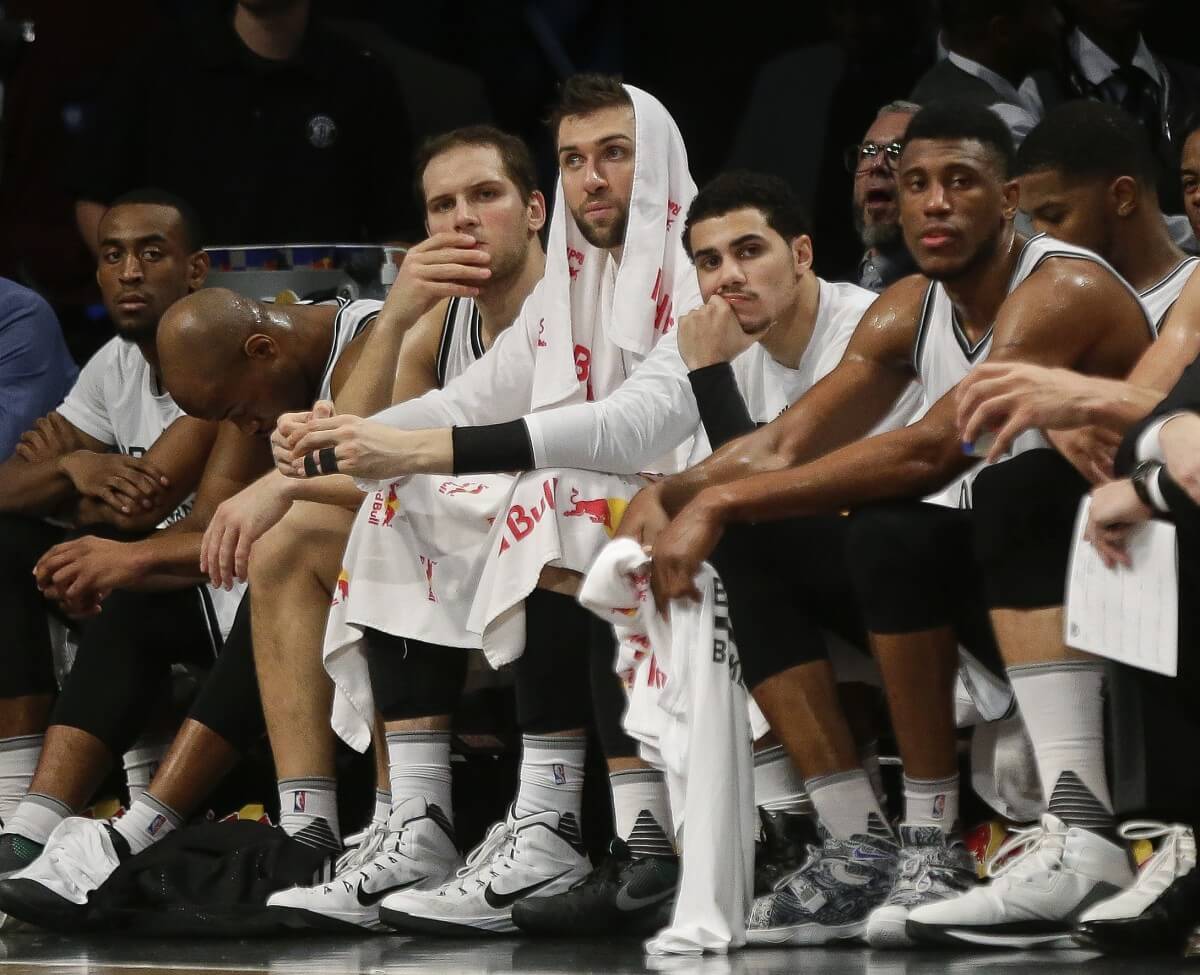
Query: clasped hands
x=318, y=441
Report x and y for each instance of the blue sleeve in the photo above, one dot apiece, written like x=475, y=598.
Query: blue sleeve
x=35, y=368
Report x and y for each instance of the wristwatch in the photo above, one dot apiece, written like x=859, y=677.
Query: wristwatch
x=1139, y=478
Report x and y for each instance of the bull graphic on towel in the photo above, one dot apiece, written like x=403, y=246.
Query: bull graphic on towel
x=600, y=511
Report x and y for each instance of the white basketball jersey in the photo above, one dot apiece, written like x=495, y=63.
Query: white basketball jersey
x=1160, y=298
x=117, y=400
x=943, y=354
x=462, y=339
x=348, y=324
x=769, y=387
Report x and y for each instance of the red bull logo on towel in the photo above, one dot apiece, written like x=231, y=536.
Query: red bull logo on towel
x=428, y=565
x=520, y=521
x=451, y=488
x=341, y=588
x=575, y=261
x=599, y=511
x=384, y=506
x=662, y=306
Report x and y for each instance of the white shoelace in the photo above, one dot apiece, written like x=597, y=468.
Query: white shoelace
x=1021, y=845
x=1179, y=845
x=370, y=841
x=481, y=857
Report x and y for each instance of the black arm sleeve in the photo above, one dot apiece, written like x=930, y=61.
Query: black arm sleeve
x=1184, y=396
x=493, y=448
x=1181, y=506
x=722, y=409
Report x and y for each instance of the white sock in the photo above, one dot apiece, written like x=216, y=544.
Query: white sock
x=552, y=779
x=141, y=762
x=18, y=762
x=36, y=816
x=847, y=806
x=383, y=807
x=931, y=802
x=642, y=812
x=1063, y=709
x=308, y=811
x=419, y=765
x=147, y=821
x=777, y=784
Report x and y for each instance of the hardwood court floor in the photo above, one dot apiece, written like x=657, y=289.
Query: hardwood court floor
x=47, y=955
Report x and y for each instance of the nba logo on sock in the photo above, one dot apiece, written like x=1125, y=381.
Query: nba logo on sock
x=560, y=775
x=939, y=806
x=298, y=802
x=156, y=824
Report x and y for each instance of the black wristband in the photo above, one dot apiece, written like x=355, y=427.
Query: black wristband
x=497, y=447
x=722, y=409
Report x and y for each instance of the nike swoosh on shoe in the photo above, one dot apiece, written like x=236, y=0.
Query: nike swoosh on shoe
x=500, y=901
x=371, y=899
x=627, y=902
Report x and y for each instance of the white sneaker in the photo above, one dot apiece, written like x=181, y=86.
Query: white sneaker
x=53, y=890
x=1175, y=858
x=1053, y=874
x=418, y=852
x=525, y=857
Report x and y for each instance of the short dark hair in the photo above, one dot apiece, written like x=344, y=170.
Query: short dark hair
x=969, y=19
x=1084, y=139
x=959, y=119
x=189, y=219
x=740, y=190
x=582, y=94
x=514, y=155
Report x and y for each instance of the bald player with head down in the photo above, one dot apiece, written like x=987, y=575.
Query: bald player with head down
x=201, y=337
x=478, y=186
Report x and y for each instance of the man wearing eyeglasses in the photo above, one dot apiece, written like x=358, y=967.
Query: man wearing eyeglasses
x=876, y=215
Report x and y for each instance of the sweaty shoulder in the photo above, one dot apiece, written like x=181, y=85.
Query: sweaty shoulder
x=888, y=328
x=1071, y=286
x=1075, y=313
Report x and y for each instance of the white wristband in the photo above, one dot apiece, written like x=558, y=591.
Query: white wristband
x=1149, y=443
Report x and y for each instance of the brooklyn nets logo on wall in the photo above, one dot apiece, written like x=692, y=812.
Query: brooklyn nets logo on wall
x=322, y=131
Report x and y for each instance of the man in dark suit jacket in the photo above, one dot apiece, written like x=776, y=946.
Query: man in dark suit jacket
x=992, y=46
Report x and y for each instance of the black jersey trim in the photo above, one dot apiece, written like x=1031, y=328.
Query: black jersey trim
x=443, y=356
x=922, y=328
x=1170, y=276
x=476, y=332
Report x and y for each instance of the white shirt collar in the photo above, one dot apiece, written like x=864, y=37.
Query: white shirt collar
x=998, y=83
x=1097, y=67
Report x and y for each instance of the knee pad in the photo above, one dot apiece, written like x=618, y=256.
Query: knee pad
x=1024, y=518
x=552, y=684
x=413, y=679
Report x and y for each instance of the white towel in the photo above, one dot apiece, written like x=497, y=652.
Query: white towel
x=560, y=518
x=410, y=567
x=586, y=326
x=634, y=310
x=676, y=672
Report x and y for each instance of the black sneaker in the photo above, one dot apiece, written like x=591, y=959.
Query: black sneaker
x=16, y=853
x=782, y=847
x=624, y=895
x=53, y=891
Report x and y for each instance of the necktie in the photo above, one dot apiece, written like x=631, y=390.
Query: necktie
x=1141, y=98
